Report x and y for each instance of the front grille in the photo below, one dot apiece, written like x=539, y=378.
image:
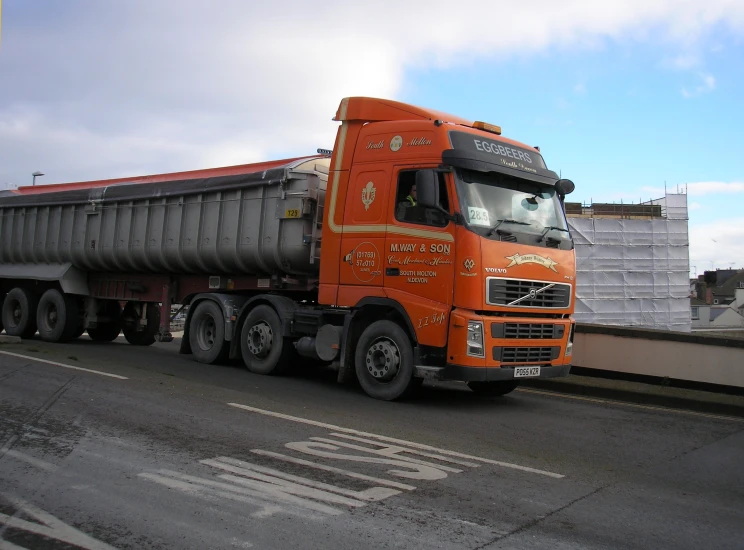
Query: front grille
x=525, y=355
x=502, y=292
x=507, y=237
x=522, y=330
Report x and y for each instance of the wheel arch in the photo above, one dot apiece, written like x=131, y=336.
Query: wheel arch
x=366, y=311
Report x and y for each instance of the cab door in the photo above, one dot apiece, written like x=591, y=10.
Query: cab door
x=419, y=256
x=363, y=239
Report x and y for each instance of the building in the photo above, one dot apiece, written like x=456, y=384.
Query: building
x=632, y=263
x=718, y=300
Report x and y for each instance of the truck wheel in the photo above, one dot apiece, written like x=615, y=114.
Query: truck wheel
x=207, y=333
x=384, y=361
x=57, y=316
x=19, y=313
x=146, y=336
x=494, y=389
x=264, y=349
x=108, y=330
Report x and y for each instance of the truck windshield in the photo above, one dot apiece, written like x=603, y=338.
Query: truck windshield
x=492, y=201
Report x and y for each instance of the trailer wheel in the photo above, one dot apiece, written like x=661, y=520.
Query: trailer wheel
x=384, y=361
x=207, y=333
x=264, y=349
x=19, y=313
x=130, y=316
x=494, y=389
x=57, y=316
x=108, y=330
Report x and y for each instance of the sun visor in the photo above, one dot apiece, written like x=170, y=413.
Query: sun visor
x=474, y=152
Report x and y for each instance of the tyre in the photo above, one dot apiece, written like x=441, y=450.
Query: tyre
x=129, y=318
x=19, y=313
x=494, y=389
x=207, y=333
x=264, y=349
x=57, y=316
x=384, y=361
x=108, y=330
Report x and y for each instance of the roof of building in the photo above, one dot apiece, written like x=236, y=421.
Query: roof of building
x=728, y=288
x=697, y=301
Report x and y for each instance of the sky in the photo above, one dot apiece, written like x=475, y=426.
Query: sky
x=626, y=98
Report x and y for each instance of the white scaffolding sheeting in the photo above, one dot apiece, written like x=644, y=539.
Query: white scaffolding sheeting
x=634, y=272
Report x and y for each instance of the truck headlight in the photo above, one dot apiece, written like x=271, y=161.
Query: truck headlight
x=475, y=339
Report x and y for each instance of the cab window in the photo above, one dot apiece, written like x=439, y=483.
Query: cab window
x=407, y=208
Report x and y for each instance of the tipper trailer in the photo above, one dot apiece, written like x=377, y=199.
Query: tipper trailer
x=422, y=246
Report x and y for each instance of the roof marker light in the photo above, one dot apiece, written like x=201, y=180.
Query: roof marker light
x=486, y=127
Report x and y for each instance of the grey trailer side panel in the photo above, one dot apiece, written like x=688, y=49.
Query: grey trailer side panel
x=251, y=224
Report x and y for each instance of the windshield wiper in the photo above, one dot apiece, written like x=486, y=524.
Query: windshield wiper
x=506, y=220
x=548, y=228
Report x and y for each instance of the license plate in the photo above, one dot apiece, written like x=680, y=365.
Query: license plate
x=526, y=372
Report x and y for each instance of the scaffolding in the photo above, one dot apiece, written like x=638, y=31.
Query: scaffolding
x=632, y=263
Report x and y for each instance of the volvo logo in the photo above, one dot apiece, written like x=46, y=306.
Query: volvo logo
x=532, y=294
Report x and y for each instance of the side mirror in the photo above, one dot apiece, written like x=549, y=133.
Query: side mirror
x=564, y=187
x=427, y=188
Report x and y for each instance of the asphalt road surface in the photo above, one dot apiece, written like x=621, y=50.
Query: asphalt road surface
x=114, y=446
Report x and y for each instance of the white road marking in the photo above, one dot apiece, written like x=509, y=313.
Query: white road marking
x=49, y=527
x=290, y=488
x=244, y=468
x=399, y=449
x=41, y=464
x=387, y=451
x=325, y=450
x=333, y=469
x=632, y=405
x=56, y=364
x=401, y=442
x=258, y=492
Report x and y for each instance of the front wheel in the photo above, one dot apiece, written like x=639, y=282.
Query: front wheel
x=384, y=361
x=264, y=348
x=494, y=389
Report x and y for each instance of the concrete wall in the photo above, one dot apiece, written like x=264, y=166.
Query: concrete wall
x=682, y=356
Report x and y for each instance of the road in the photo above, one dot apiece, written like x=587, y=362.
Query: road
x=114, y=446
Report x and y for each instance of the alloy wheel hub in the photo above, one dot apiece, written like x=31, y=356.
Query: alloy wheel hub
x=383, y=360
x=260, y=339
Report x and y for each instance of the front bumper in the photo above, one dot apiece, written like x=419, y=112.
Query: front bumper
x=485, y=374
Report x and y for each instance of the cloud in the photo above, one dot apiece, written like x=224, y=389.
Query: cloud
x=707, y=86
x=580, y=88
x=683, y=62
x=106, y=89
x=700, y=188
x=717, y=244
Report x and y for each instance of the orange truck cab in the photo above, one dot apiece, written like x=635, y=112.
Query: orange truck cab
x=462, y=233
